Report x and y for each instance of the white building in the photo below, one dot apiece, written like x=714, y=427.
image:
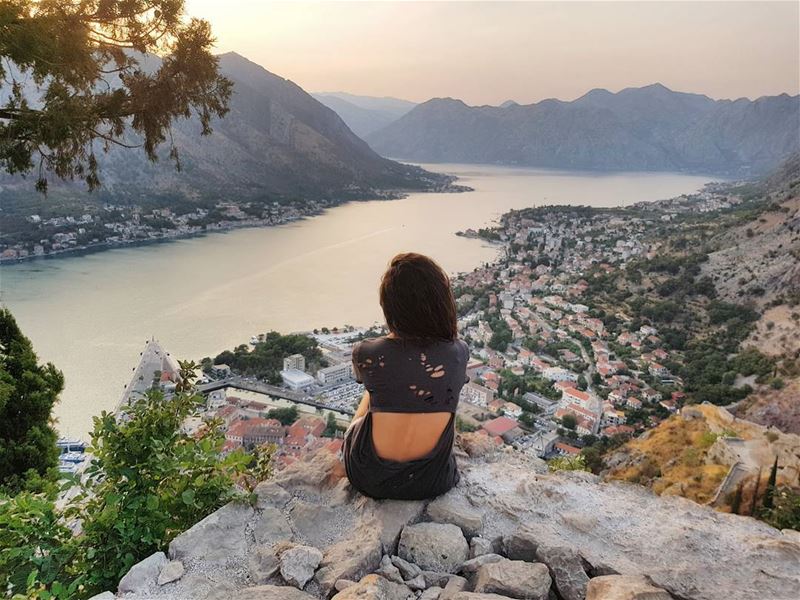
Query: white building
x=559, y=374
x=295, y=361
x=335, y=373
x=476, y=394
x=296, y=379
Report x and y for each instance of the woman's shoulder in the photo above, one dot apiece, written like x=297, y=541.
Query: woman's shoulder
x=369, y=345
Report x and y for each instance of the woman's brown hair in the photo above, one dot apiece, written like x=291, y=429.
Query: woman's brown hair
x=417, y=299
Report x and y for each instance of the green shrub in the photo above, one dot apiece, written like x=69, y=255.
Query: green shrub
x=575, y=462
x=148, y=482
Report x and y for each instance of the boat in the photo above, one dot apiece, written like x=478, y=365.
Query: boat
x=71, y=445
x=72, y=457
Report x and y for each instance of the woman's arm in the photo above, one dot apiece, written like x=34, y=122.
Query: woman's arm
x=363, y=407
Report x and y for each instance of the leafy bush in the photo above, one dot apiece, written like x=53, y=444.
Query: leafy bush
x=576, y=462
x=148, y=481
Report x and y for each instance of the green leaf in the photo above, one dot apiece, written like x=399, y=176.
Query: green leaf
x=188, y=496
x=152, y=502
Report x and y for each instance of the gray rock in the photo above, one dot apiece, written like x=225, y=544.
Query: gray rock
x=271, y=527
x=320, y=471
x=391, y=516
x=389, y=571
x=478, y=596
x=263, y=564
x=623, y=587
x=436, y=578
x=453, y=586
x=375, y=587
x=417, y=583
x=514, y=578
x=215, y=539
x=407, y=569
x=316, y=525
x=267, y=592
x=352, y=558
x=343, y=584
x=456, y=509
x=103, y=596
x=172, y=571
x=520, y=545
x=433, y=546
x=269, y=493
x=479, y=546
x=566, y=569
x=473, y=564
x=298, y=565
x=432, y=593
x=143, y=575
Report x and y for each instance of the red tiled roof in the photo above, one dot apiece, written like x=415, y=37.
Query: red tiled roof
x=499, y=426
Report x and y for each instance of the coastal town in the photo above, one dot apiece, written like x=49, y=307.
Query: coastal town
x=551, y=372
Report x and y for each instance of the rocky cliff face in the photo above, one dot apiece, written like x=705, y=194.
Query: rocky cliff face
x=648, y=128
x=509, y=530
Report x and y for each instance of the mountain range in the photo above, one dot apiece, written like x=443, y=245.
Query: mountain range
x=647, y=128
x=277, y=142
x=364, y=114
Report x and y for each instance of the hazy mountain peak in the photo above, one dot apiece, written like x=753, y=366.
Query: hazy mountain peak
x=646, y=128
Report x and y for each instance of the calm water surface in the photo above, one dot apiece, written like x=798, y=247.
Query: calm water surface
x=91, y=314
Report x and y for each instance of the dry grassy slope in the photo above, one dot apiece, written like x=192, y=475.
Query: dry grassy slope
x=688, y=455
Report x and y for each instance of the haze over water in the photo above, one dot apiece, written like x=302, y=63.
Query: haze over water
x=91, y=314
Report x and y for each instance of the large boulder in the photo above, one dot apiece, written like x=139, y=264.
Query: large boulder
x=352, y=558
x=520, y=545
x=390, y=517
x=477, y=596
x=267, y=592
x=514, y=578
x=456, y=509
x=298, y=565
x=217, y=538
x=320, y=471
x=263, y=564
x=433, y=546
x=566, y=569
x=473, y=564
x=624, y=587
x=143, y=575
x=270, y=527
x=319, y=525
x=374, y=587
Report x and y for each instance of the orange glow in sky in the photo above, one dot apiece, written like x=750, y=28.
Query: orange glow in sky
x=489, y=52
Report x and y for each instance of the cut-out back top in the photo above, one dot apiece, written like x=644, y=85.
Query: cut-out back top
x=402, y=376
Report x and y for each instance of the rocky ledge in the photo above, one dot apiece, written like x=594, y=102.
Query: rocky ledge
x=508, y=530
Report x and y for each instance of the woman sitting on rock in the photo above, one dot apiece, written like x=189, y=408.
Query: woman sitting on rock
x=400, y=443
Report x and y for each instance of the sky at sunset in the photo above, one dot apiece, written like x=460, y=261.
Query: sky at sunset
x=489, y=52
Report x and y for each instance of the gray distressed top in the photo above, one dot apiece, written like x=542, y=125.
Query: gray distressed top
x=406, y=377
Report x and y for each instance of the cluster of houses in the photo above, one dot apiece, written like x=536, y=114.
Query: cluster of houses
x=549, y=305
x=246, y=426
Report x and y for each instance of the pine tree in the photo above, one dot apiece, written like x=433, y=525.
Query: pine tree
x=75, y=82
x=736, y=505
x=755, y=495
x=769, y=494
x=28, y=391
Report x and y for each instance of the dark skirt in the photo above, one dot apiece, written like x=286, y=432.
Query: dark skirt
x=419, y=479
